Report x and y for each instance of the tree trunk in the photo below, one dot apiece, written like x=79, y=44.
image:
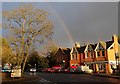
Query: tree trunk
x=24, y=63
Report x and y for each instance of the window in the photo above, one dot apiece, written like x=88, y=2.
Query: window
x=87, y=54
x=91, y=66
x=103, y=53
x=76, y=56
x=91, y=55
x=111, y=48
x=101, y=66
x=98, y=53
x=100, y=47
x=72, y=56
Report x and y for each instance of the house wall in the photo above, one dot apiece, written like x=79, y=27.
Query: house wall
x=111, y=54
x=82, y=57
x=60, y=56
x=75, y=61
x=67, y=60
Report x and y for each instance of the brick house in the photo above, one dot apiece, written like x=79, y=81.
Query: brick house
x=104, y=55
x=63, y=57
x=89, y=55
x=100, y=57
x=113, y=51
x=75, y=55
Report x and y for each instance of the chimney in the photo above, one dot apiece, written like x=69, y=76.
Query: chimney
x=115, y=38
x=77, y=44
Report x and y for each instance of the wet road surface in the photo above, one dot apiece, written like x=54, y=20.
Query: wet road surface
x=60, y=78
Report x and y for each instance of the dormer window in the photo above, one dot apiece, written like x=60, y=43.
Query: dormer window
x=100, y=47
x=100, y=51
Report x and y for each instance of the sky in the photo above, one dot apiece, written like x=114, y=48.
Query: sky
x=83, y=22
x=59, y=0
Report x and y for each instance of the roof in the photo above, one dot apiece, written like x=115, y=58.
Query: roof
x=93, y=46
x=66, y=51
x=108, y=44
x=81, y=49
x=103, y=44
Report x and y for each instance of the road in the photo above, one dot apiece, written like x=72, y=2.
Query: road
x=60, y=78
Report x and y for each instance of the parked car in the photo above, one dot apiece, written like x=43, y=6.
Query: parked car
x=67, y=70
x=84, y=69
x=33, y=70
x=87, y=70
x=45, y=70
x=6, y=68
x=73, y=69
x=16, y=71
x=79, y=69
x=57, y=68
x=51, y=70
x=39, y=69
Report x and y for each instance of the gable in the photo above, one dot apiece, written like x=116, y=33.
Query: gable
x=66, y=51
x=93, y=46
x=89, y=48
x=99, y=47
x=59, y=52
x=82, y=49
x=74, y=51
x=111, y=46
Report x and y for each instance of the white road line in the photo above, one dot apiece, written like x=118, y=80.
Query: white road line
x=43, y=80
x=39, y=80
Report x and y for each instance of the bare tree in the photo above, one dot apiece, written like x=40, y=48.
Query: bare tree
x=27, y=26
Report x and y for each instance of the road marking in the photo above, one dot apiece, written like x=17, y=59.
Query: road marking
x=39, y=80
x=43, y=80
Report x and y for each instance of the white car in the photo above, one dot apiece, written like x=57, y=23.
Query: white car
x=16, y=71
x=87, y=70
x=32, y=70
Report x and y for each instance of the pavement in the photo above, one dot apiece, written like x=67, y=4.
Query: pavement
x=106, y=75
x=24, y=78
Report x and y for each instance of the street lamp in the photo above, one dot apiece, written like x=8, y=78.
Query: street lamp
x=63, y=63
x=35, y=66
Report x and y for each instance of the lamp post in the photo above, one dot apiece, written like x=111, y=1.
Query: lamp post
x=35, y=66
x=64, y=63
